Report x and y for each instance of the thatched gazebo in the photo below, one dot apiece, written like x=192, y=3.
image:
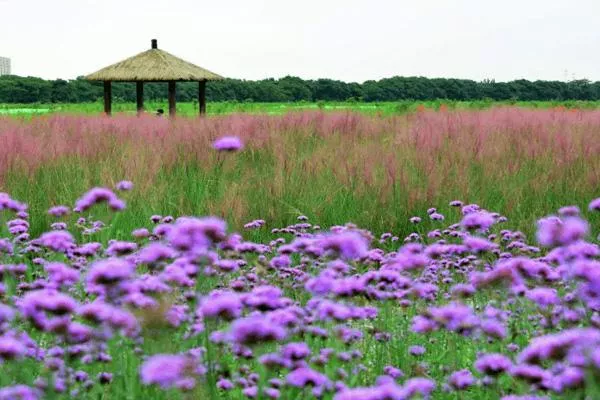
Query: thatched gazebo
x=153, y=65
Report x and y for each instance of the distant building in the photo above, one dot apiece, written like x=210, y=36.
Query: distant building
x=4, y=66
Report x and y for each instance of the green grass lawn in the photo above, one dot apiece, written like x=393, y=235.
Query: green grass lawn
x=385, y=108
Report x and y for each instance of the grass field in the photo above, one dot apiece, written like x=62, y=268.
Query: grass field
x=196, y=311
x=220, y=108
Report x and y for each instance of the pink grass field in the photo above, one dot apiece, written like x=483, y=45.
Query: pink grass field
x=345, y=166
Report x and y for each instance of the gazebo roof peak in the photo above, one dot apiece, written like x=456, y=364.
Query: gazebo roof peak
x=153, y=65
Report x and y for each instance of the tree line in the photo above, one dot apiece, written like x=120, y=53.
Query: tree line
x=16, y=89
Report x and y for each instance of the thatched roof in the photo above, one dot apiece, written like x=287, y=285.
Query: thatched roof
x=153, y=65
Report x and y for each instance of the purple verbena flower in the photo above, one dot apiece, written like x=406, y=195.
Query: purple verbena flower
x=59, y=211
x=124, y=185
x=554, y=231
x=98, y=195
x=595, y=205
x=493, y=364
x=461, y=380
x=256, y=329
x=228, y=143
x=167, y=371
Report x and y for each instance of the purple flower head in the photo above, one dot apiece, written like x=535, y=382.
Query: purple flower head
x=415, y=220
x=470, y=208
x=436, y=216
x=264, y=298
x=190, y=234
x=140, y=233
x=59, y=241
x=493, y=328
x=225, y=305
x=274, y=361
x=421, y=324
x=348, y=245
x=554, y=231
x=420, y=386
x=320, y=285
x=20, y=392
x=295, y=351
x=105, y=378
x=114, y=317
x=454, y=317
x=225, y=384
x=59, y=226
x=256, y=329
x=47, y=309
x=281, y=261
x=493, y=364
x=556, y=346
x=251, y=391
x=11, y=348
x=7, y=203
x=479, y=245
x=228, y=143
x=87, y=249
x=59, y=211
x=462, y=290
x=60, y=274
x=108, y=272
x=98, y=195
x=124, y=185
x=392, y=371
x=477, y=221
x=17, y=222
x=543, y=297
x=416, y=350
x=6, y=313
x=6, y=246
x=530, y=373
x=595, y=205
x=380, y=392
x=569, y=211
x=461, y=380
x=570, y=377
x=257, y=223
x=167, y=371
x=119, y=248
x=303, y=377
x=272, y=393
x=155, y=252
x=456, y=203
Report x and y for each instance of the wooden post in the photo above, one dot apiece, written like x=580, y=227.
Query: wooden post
x=172, y=101
x=107, y=97
x=202, y=97
x=139, y=86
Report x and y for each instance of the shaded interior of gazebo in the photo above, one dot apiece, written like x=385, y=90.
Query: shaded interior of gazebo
x=154, y=65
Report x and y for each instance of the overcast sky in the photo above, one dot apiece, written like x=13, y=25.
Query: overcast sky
x=351, y=40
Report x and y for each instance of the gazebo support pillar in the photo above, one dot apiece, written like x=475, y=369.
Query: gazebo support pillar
x=107, y=97
x=202, y=97
x=172, y=101
x=139, y=88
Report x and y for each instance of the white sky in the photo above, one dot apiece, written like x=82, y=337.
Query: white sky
x=349, y=40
